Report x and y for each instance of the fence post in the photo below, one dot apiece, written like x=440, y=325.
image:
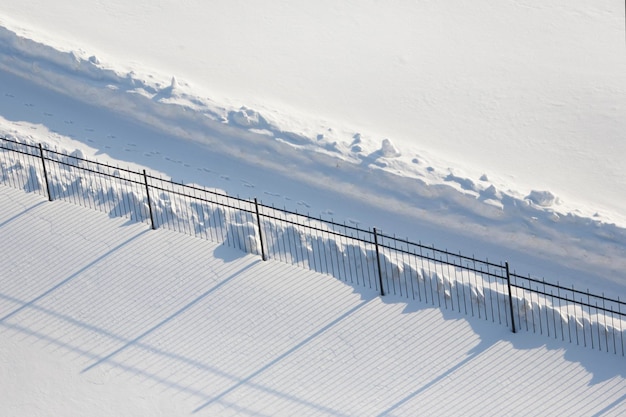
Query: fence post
x=258, y=220
x=45, y=172
x=621, y=331
x=508, y=283
x=380, y=270
x=145, y=179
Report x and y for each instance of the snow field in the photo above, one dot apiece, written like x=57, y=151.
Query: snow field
x=330, y=108
x=126, y=319
x=526, y=92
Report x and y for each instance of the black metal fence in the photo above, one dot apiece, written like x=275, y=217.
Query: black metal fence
x=362, y=258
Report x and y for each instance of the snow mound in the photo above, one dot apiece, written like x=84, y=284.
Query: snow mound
x=542, y=198
x=245, y=117
x=389, y=150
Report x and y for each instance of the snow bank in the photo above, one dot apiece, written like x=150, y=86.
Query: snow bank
x=171, y=106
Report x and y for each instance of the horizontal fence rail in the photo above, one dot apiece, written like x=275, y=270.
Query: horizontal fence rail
x=567, y=314
x=364, y=258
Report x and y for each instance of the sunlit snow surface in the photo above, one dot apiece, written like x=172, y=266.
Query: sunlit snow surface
x=104, y=317
x=73, y=99
x=491, y=127
x=531, y=93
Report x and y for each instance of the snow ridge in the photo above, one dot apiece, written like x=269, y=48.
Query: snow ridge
x=165, y=105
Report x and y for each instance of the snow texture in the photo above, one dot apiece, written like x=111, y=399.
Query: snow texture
x=101, y=316
x=491, y=128
x=424, y=200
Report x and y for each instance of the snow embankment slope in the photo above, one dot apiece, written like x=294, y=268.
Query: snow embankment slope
x=72, y=100
x=99, y=316
x=528, y=92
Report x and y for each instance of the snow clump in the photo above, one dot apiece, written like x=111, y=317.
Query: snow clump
x=246, y=117
x=389, y=150
x=541, y=198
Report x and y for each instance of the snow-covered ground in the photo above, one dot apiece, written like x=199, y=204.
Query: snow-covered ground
x=72, y=101
x=104, y=317
x=528, y=92
x=490, y=127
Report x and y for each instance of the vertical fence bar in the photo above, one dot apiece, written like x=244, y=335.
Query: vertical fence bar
x=258, y=220
x=380, y=271
x=621, y=330
x=145, y=178
x=590, y=319
x=558, y=295
x=508, y=283
x=45, y=172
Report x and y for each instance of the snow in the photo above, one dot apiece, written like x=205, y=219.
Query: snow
x=527, y=92
x=493, y=128
x=431, y=203
x=103, y=316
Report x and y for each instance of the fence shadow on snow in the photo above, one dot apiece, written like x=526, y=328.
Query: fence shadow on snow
x=359, y=257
